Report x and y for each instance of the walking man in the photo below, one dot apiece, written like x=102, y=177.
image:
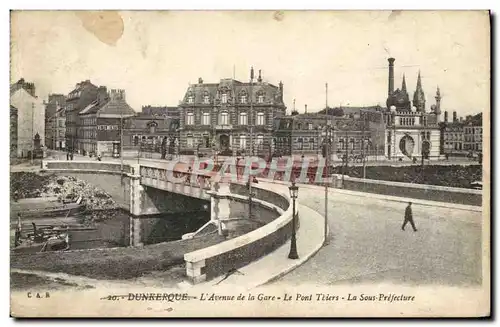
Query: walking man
x=409, y=218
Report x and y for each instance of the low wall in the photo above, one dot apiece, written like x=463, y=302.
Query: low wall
x=415, y=191
x=235, y=253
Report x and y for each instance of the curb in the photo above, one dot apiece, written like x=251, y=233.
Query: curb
x=429, y=203
x=298, y=263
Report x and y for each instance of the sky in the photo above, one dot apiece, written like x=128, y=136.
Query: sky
x=155, y=55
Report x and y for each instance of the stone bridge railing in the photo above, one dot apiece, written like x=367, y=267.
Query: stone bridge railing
x=222, y=258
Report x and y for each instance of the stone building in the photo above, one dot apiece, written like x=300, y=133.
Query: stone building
x=145, y=134
x=79, y=98
x=55, y=130
x=411, y=131
x=306, y=133
x=473, y=133
x=13, y=132
x=101, y=122
x=219, y=116
x=30, y=118
x=53, y=104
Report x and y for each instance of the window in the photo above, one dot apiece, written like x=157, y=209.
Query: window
x=310, y=126
x=224, y=98
x=260, y=141
x=243, y=118
x=243, y=98
x=61, y=123
x=260, y=118
x=223, y=119
x=300, y=143
x=190, y=99
x=243, y=142
x=190, y=141
x=136, y=140
x=190, y=118
x=206, y=98
x=206, y=118
x=260, y=99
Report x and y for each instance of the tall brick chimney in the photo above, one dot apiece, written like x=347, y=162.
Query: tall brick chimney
x=391, y=75
x=446, y=116
x=305, y=108
x=454, y=116
x=102, y=94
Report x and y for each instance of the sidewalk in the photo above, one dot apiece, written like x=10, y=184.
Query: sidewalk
x=310, y=238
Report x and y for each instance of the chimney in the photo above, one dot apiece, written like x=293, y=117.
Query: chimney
x=259, y=79
x=454, y=116
x=446, y=116
x=305, y=108
x=391, y=75
x=102, y=94
x=200, y=80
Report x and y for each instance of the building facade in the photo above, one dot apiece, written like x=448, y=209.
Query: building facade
x=219, y=117
x=13, y=132
x=145, y=134
x=78, y=99
x=102, y=121
x=473, y=133
x=30, y=118
x=412, y=132
x=55, y=130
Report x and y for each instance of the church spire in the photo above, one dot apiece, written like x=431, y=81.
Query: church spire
x=403, y=86
x=418, y=96
x=419, y=82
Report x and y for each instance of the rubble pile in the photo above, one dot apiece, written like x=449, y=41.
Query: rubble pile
x=71, y=188
x=99, y=205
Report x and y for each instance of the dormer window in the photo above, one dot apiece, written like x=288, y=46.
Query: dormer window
x=224, y=98
x=152, y=127
x=206, y=98
x=190, y=99
x=243, y=98
x=260, y=99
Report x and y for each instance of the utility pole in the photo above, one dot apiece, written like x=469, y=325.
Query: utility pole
x=32, y=131
x=250, y=180
x=121, y=142
x=327, y=164
x=363, y=146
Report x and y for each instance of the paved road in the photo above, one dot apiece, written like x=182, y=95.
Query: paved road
x=368, y=245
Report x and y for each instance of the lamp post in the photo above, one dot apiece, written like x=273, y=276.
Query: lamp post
x=294, y=193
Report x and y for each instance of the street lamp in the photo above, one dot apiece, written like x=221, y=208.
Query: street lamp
x=294, y=193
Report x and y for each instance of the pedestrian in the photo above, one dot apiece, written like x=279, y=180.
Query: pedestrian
x=17, y=236
x=71, y=155
x=67, y=156
x=409, y=218
x=99, y=157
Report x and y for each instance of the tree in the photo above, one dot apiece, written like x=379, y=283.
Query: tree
x=337, y=112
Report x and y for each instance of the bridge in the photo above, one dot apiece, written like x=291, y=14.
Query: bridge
x=150, y=187
x=153, y=186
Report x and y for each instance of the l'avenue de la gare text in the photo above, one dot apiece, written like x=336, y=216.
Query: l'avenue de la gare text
x=319, y=297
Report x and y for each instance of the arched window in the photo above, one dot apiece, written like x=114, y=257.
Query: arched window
x=206, y=98
x=152, y=127
x=136, y=140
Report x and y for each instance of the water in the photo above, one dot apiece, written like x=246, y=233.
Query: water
x=114, y=232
